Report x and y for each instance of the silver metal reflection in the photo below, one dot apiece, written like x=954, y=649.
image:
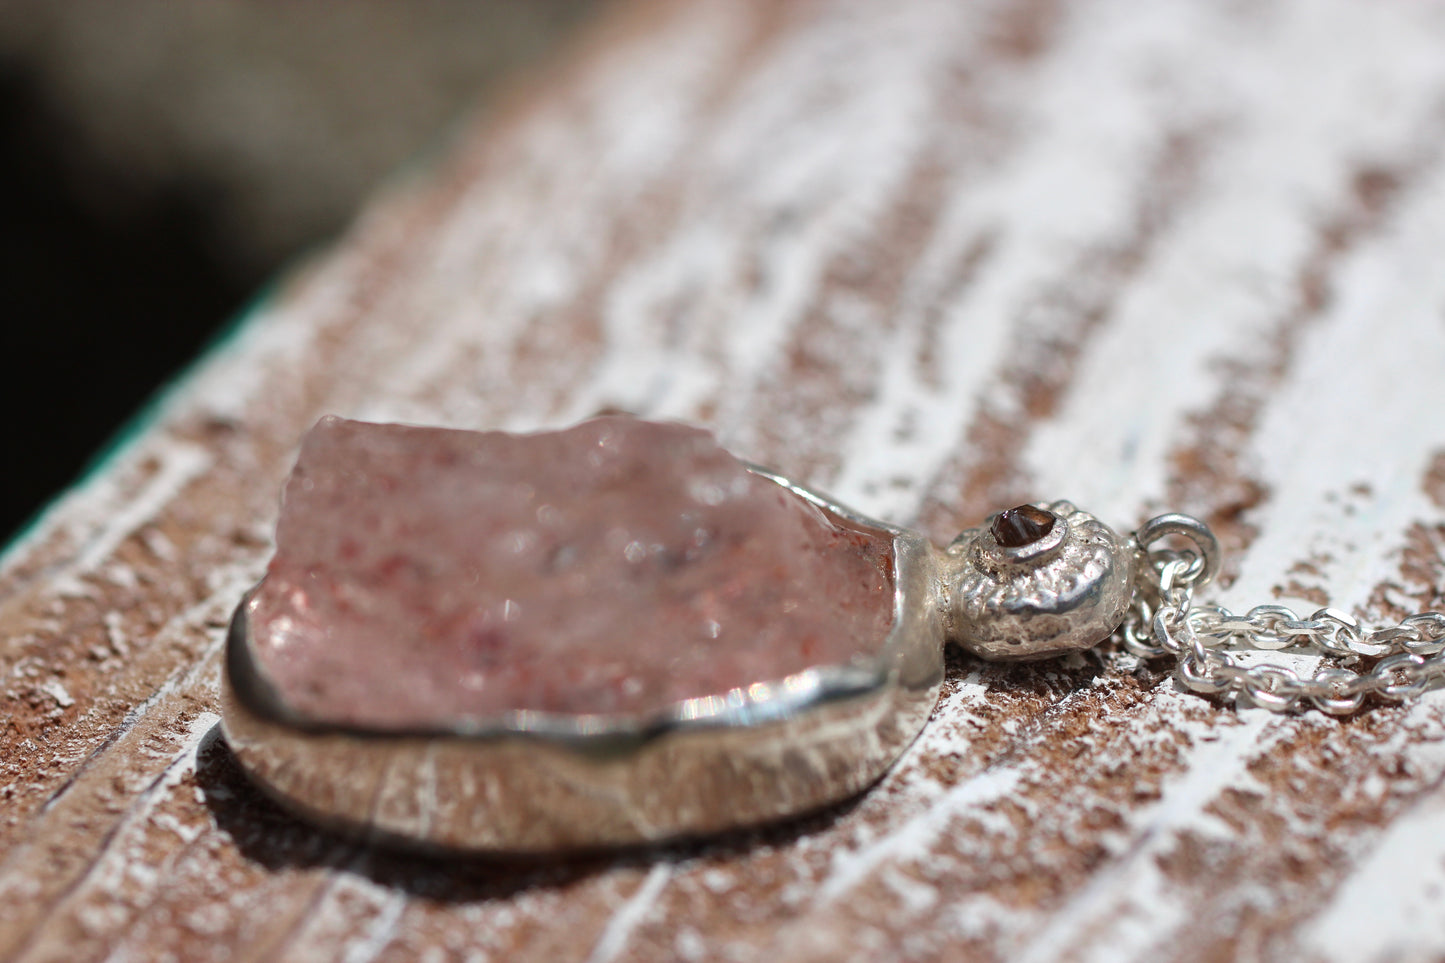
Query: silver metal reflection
x=1067, y=590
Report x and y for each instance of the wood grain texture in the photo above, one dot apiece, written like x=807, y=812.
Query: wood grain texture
x=931, y=257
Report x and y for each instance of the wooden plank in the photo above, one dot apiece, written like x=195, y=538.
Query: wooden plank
x=933, y=258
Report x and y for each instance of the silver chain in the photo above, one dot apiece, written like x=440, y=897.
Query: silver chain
x=1393, y=663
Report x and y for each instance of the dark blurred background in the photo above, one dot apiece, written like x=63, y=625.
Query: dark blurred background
x=162, y=158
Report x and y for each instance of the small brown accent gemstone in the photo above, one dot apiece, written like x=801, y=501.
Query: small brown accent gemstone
x=1021, y=526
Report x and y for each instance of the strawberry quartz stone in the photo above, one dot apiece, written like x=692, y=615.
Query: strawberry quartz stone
x=427, y=577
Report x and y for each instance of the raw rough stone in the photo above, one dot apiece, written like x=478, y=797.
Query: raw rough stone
x=424, y=575
x=1022, y=526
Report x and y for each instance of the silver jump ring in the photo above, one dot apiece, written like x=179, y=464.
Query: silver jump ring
x=1191, y=528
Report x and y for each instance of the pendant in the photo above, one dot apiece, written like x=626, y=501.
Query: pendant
x=613, y=634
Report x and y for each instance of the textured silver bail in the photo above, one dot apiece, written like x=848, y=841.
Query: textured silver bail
x=1036, y=581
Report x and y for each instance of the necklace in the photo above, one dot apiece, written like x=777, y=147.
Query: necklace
x=618, y=633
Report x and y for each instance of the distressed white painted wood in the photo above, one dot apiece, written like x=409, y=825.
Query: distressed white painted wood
x=932, y=257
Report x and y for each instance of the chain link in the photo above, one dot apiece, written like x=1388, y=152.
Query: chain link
x=1392, y=663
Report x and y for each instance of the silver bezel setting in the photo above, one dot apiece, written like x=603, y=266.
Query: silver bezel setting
x=534, y=782
x=1068, y=590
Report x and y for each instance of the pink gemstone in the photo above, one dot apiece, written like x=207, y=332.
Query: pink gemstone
x=425, y=576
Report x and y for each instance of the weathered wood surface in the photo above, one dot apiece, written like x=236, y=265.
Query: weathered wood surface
x=932, y=257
